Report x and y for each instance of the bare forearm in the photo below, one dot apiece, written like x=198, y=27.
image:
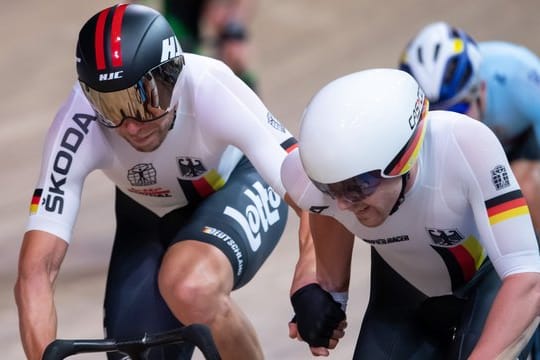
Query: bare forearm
x=333, y=246
x=512, y=319
x=37, y=315
x=39, y=262
x=304, y=273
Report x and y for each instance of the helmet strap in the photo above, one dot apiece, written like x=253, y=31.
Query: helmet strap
x=401, y=196
x=173, y=120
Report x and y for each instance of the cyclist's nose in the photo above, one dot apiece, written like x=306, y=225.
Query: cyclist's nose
x=344, y=204
x=132, y=126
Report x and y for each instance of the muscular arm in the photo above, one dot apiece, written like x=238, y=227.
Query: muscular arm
x=512, y=320
x=304, y=273
x=333, y=246
x=39, y=262
x=331, y=249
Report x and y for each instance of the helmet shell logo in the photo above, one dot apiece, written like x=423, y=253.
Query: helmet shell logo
x=170, y=48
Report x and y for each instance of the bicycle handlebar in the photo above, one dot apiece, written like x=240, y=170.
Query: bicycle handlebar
x=196, y=334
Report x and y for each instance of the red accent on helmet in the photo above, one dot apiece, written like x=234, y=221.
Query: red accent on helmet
x=99, y=41
x=116, y=35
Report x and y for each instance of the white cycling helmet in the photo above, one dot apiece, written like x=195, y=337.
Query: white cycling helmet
x=445, y=62
x=372, y=120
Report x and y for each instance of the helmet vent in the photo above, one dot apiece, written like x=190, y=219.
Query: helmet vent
x=419, y=55
x=436, y=52
x=466, y=76
x=450, y=70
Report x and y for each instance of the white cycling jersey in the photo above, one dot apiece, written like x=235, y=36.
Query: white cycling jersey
x=464, y=204
x=218, y=119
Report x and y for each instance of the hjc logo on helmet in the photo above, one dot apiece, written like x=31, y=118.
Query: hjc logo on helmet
x=170, y=48
x=111, y=76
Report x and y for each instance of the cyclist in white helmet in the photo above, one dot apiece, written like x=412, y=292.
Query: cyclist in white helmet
x=495, y=82
x=455, y=267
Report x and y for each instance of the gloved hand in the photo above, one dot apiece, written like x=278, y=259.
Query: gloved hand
x=317, y=314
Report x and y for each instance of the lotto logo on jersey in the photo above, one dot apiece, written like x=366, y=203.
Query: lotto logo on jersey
x=259, y=215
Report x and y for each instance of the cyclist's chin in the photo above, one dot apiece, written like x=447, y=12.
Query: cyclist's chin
x=370, y=218
x=146, y=144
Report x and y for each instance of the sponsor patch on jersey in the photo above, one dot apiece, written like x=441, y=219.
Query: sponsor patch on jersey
x=499, y=177
x=142, y=175
x=152, y=192
x=506, y=206
x=190, y=167
x=274, y=122
x=36, y=200
x=445, y=237
x=390, y=240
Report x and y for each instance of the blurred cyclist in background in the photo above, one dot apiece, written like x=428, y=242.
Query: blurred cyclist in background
x=495, y=82
x=224, y=22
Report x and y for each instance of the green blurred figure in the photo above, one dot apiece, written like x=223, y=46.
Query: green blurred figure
x=217, y=26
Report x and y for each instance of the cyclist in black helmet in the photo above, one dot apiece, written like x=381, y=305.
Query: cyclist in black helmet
x=195, y=157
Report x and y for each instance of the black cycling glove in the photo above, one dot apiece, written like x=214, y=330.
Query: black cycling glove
x=317, y=314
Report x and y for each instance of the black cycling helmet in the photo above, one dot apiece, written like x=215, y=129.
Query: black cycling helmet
x=128, y=59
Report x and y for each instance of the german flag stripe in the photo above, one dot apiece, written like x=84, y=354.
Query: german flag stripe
x=196, y=190
x=465, y=260
x=290, y=144
x=501, y=199
x=36, y=199
x=454, y=268
x=401, y=164
x=506, y=206
x=462, y=260
x=473, y=246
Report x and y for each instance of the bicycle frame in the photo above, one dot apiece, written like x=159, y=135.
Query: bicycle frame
x=196, y=334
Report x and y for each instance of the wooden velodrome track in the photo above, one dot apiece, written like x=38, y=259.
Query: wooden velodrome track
x=300, y=45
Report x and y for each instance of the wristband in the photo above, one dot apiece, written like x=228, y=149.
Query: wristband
x=341, y=297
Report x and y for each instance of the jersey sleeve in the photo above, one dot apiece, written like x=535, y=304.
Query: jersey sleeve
x=300, y=188
x=229, y=111
x=500, y=211
x=72, y=149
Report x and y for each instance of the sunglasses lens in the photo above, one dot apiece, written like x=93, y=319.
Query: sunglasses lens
x=353, y=189
x=148, y=99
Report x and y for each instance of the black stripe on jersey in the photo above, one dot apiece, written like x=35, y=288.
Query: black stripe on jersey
x=512, y=195
x=289, y=144
x=191, y=193
x=457, y=278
